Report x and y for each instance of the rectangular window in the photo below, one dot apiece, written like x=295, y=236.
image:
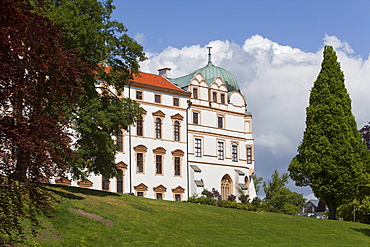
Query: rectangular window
x=158, y=164
x=140, y=193
x=158, y=128
x=139, y=127
x=139, y=162
x=177, y=197
x=220, y=147
x=120, y=141
x=214, y=97
x=249, y=155
x=220, y=122
x=159, y=196
x=195, y=117
x=176, y=101
x=176, y=130
x=234, y=152
x=139, y=95
x=198, y=147
x=195, y=93
x=157, y=98
x=177, y=166
x=222, y=98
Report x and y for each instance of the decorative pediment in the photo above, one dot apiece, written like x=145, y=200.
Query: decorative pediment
x=85, y=183
x=121, y=165
x=143, y=111
x=178, y=189
x=159, y=150
x=160, y=188
x=177, y=116
x=177, y=152
x=140, y=148
x=159, y=113
x=141, y=187
x=63, y=181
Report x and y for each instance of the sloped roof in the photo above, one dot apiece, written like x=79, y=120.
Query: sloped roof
x=155, y=80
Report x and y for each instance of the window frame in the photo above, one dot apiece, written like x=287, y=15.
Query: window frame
x=140, y=163
x=214, y=97
x=158, y=98
x=158, y=164
x=220, y=122
x=195, y=93
x=222, y=97
x=177, y=166
x=158, y=128
x=119, y=141
x=249, y=155
x=176, y=101
x=221, y=150
x=234, y=152
x=139, y=95
x=176, y=131
x=198, y=147
x=139, y=127
x=196, y=117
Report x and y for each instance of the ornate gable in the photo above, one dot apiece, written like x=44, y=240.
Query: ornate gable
x=63, y=181
x=177, y=116
x=159, y=113
x=178, y=189
x=160, y=188
x=141, y=187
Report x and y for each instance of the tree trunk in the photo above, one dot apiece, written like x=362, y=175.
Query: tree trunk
x=332, y=212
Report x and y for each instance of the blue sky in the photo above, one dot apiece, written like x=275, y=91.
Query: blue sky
x=273, y=48
x=299, y=24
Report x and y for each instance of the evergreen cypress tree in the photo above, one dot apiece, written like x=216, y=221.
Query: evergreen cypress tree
x=330, y=156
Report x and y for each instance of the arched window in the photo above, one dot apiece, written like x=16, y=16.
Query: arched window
x=120, y=141
x=176, y=129
x=226, y=187
x=119, y=181
x=158, y=128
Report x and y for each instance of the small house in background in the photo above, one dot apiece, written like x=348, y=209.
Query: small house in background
x=314, y=208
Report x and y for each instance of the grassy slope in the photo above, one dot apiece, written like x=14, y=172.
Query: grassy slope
x=144, y=222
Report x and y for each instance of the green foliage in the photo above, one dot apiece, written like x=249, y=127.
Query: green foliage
x=257, y=182
x=280, y=199
x=88, y=27
x=331, y=154
x=140, y=221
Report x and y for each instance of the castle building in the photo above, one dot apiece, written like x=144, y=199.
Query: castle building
x=195, y=134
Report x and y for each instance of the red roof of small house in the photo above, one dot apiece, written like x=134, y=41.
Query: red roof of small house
x=155, y=80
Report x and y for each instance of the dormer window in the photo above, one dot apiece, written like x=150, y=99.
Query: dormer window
x=222, y=98
x=195, y=93
x=214, y=97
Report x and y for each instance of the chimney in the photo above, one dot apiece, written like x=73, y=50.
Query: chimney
x=164, y=72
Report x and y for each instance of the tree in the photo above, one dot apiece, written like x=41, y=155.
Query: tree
x=257, y=181
x=100, y=114
x=280, y=199
x=39, y=80
x=330, y=156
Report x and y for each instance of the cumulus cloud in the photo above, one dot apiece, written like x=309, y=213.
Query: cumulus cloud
x=276, y=82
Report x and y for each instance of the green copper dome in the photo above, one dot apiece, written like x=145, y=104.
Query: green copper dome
x=210, y=72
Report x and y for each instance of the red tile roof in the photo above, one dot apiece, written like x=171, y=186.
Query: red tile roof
x=155, y=80
x=151, y=79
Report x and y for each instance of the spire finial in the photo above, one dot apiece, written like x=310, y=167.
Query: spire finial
x=209, y=54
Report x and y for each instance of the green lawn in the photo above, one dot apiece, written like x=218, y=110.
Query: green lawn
x=121, y=220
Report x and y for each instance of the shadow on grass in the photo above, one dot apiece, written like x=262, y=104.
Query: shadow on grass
x=362, y=230
x=70, y=191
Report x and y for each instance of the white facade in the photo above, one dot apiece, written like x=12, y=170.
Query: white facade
x=195, y=134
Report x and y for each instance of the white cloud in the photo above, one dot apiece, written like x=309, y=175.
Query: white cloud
x=276, y=81
x=140, y=38
x=338, y=44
